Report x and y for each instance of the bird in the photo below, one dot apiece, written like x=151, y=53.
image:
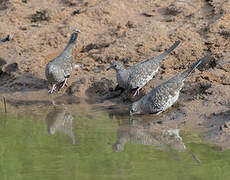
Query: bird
x=60, y=120
x=59, y=69
x=136, y=76
x=162, y=138
x=163, y=96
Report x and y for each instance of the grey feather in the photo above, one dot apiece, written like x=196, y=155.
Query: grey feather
x=163, y=96
x=59, y=120
x=161, y=138
x=139, y=74
x=61, y=67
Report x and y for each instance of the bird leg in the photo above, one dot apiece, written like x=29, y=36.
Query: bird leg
x=52, y=89
x=54, y=103
x=65, y=83
x=159, y=112
x=117, y=88
x=137, y=91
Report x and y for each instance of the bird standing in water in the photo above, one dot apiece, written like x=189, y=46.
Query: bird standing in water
x=59, y=69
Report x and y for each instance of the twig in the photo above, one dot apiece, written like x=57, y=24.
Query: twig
x=4, y=104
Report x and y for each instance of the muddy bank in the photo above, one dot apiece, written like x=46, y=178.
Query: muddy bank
x=127, y=31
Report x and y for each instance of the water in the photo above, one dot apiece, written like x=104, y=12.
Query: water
x=61, y=144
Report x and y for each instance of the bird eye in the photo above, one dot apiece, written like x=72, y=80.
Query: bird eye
x=115, y=65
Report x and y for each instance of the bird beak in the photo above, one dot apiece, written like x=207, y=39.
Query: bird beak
x=109, y=68
x=130, y=118
x=130, y=115
x=76, y=30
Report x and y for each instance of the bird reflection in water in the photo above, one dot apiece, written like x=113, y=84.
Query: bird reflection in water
x=59, y=120
x=162, y=138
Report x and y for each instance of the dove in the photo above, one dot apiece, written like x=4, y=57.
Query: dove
x=163, y=96
x=136, y=76
x=59, y=69
x=60, y=120
x=162, y=138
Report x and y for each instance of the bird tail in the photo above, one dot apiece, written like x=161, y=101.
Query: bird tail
x=164, y=54
x=194, y=66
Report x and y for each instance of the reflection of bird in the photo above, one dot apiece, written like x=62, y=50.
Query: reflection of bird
x=59, y=69
x=60, y=120
x=160, y=138
x=135, y=77
x=163, y=96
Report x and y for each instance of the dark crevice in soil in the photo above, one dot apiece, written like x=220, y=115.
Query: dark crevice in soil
x=4, y=4
x=40, y=15
x=19, y=82
x=219, y=124
x=217, y=12
x=225, y=34
x=172, y=10
x=198, y=91
x=15, y=102
x=98, y=89
x=68, y=2
x=2, y=63
x=92, y=46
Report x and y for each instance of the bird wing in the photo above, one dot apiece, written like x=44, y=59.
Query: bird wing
x=164, y=95
x=55, y=72
x=140, y=74
x=67, y=70
x=65, y=62
x=143, y=72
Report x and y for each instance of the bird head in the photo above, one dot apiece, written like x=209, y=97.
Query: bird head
x=75, y=30
x=52, y=130
x=116, y=65
x=135, y=109
x=118, y=147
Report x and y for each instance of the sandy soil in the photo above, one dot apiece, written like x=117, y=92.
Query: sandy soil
x=129, y=31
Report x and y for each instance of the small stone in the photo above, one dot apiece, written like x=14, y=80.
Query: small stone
x=75, y=12
x=23, y=28
x=76, y=66
x=130, y=24
x=40, y=15
x=147, y=14
x=13, y=67
x=159, y=122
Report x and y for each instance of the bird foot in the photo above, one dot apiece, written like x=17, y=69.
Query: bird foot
x=137, y=92
x=54, y=103
x=52, y=89
x=159, y=112
x=65, y=83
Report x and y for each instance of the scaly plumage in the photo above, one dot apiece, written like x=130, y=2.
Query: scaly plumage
x=163, y=96
x=136, y=76
x=59, y=69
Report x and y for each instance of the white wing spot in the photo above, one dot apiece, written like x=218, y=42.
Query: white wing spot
x=171, y=100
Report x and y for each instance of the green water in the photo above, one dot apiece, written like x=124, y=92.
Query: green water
x=37, y=146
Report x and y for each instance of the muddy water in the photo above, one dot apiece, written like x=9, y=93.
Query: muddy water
x=96, y=143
